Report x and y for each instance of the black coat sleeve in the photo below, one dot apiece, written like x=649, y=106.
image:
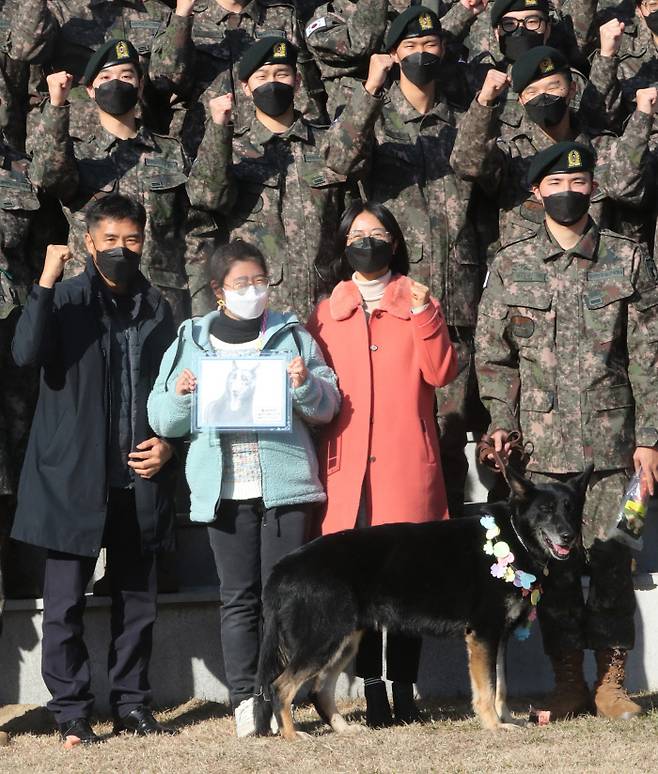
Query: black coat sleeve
x=35, y=338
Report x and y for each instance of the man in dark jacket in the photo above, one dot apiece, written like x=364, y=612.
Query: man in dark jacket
x=95, y=474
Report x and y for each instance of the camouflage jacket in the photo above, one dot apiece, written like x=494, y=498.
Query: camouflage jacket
x=284, y=193
x=412, y=176
x=635, y=67
x=151, y=168
x=342, y=35
x=63, y=34
x=196, y=58
x=500, y=166
x=572, y=31
x=567, y=348
x=19, y=204
x=14, y=78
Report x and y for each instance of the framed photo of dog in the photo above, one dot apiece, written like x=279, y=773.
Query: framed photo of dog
x=243, y=392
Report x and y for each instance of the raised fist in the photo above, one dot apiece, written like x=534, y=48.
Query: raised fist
x=59, y=86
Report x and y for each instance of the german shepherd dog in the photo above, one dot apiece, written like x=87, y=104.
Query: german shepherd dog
x=421, y=579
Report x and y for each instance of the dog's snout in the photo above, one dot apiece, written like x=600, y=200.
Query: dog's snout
x=566, y=536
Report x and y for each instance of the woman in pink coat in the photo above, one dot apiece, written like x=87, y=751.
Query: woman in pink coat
x=387, y=341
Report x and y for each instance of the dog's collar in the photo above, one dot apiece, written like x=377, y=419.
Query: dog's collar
x=504, y=569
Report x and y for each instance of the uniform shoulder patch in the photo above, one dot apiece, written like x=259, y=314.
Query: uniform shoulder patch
x=316, y=25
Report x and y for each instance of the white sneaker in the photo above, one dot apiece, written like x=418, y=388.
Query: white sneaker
x=244, y=718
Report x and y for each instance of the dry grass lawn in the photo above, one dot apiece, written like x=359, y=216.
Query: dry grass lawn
x=450, y=741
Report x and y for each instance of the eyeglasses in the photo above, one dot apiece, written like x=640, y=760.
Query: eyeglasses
x=241, y=284
x=532, y=23
x=376, y=233
x=650, y=5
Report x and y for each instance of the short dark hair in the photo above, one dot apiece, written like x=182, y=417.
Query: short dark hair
x=225, y=256
x=338, y=268
x=116, y=207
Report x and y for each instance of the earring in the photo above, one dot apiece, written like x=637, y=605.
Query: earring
x=221, y=303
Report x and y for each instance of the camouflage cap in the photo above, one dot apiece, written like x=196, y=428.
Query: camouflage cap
x=561, y=158
x=113, y=52
x=501, y=7
x=415, y=22
x=270, y=50
x=538, y=63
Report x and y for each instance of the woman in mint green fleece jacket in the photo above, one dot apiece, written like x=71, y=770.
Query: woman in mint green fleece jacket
x=256, y=490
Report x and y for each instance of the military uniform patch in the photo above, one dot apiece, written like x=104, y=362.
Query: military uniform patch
x=574, y=160
x=317, y=24
x=122, y=50
x=279, y=51
x=425, y=22
x=546, y=65
x=652, y=271
x=530, y=3
x=522, y=326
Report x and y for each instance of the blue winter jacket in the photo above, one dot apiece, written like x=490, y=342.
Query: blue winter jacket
x=288, y=461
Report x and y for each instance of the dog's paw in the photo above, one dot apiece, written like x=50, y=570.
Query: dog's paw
x=512, y=724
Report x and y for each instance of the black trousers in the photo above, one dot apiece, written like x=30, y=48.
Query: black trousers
x=247, y=541
x=402, y=656
x=133, y=587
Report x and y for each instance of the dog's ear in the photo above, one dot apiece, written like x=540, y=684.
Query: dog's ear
x=520, y=487
x=579, y=483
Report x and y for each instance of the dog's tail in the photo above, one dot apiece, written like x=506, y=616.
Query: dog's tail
x=270, y=665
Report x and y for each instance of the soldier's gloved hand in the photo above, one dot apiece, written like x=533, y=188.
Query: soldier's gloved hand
x=59, y=87
x=494, y=85
x=53, y=266
x=646, y=100
x=646, y=457
x=611, y=36
x=184, y=7
x=378, y=70
x=475, y=6
x=221, y=109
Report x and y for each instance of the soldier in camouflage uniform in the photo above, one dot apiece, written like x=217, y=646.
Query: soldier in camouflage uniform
x=411, y=175
x=280, y=183
x=628, y=49
x=197, y=57
x=19, y=206
x=542, y=79
x=120, y=155
x=342, y=34
x=61, y=35
x=567, y=354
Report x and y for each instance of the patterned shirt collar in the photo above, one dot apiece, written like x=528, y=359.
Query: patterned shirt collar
x=408, y=112
x=586, y=247
x=105, y=140
x=260, y=134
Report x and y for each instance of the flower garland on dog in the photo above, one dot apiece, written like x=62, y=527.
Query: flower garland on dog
x=504, y=569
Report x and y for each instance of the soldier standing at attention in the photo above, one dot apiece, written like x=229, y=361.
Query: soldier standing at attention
x=120, y=155
x=412, y=176
x=280, y=182
x=567, y=352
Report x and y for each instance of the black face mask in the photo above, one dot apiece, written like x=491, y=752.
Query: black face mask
x=273, y=98
x=369, y=255
x=566, y=208
x=116, y=97
x=652, y=22
x=514, y=45
x=421, y=68
x=120, y=265
x=546, y=109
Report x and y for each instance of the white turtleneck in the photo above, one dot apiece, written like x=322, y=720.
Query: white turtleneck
x=372, y=291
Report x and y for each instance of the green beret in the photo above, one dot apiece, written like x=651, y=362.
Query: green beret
x=113, y=52
x=501, y=7
x=561, y=158
x=415, y=22
x=538, y=63
x=270, y=50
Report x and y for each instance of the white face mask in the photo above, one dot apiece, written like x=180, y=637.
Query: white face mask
x=248, y=305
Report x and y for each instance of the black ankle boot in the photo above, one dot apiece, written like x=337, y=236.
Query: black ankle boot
x=378, y=710
x=404, y=704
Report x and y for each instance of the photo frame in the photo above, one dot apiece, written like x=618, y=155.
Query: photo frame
x=247, y=391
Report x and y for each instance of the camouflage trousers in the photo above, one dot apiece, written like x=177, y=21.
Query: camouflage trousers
x=459, y=410
x=606, y=618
